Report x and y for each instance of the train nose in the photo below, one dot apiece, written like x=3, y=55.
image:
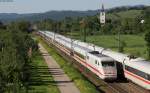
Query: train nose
x=110, y=74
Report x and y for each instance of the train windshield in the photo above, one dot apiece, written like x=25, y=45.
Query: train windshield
x=108, y=64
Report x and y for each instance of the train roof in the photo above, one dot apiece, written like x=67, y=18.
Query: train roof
x=76, y=45
x=102, y=57
x=136, y=63
x=96, y=53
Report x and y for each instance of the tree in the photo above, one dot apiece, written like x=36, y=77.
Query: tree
x=2, y=26
x=147, y=39
x=147, y=29
x=14, y=59
x=68, y=23
x=23, y=26
x=83, y=25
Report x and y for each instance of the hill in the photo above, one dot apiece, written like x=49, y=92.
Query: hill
x=124, y=11
x=125, y=14
x=55, y=15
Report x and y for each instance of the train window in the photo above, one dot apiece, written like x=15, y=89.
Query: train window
x=105, y=64
x=137, y=72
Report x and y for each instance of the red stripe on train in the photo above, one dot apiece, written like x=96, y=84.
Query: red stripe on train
x=131, y=74
x=83, y=61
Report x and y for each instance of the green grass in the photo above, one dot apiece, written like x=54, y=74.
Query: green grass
x=135, y=44
x=80, y=81
x=111, y=41
x=41, y=81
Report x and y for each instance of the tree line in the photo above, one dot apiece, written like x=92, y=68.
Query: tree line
x=116, y=24
x=128, y=25
x=15, y=42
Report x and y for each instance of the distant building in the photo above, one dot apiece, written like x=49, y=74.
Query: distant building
x=142, y=21
x=102, y=15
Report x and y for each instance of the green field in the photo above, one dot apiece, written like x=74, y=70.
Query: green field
x=41, y=81
x=80, y=81
x=135, y=44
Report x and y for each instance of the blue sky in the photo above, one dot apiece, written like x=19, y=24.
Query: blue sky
x=35, y=6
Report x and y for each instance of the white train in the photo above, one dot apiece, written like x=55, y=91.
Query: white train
x=103, y=66
x=138, y=70
x=135, y=69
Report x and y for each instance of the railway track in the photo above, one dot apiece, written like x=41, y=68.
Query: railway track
x=133, y=88
x=102, y=86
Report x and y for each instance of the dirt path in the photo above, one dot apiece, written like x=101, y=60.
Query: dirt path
x=64, y=84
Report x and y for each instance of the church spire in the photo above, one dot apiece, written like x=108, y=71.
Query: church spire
x=103, y=10
x=102, y=15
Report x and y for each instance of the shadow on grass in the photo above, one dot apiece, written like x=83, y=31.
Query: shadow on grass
x=42, y=75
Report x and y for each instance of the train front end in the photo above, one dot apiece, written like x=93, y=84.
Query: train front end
x=109, y=69
x=103, y=66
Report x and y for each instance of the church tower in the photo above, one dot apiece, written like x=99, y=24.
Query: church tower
x=102, y=15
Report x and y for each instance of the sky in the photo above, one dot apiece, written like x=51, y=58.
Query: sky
x=36, y=6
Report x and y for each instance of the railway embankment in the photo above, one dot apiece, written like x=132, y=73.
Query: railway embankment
x=100, y=84
x=84, y=85
x=63, y=82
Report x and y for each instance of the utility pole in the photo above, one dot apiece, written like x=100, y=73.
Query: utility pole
x=119, y=39
x=54, y=25
x=72, y=49
x=84, y=30
x=119, y=32
x=83, y=25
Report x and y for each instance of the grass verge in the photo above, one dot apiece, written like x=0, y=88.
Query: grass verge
x=41, y=81
x=80, y=81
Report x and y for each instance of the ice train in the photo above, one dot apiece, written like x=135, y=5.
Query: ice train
x=103, y=61
x=102, y=65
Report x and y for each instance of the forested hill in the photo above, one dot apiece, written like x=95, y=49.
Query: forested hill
x=55, y=15
x=59, y=15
